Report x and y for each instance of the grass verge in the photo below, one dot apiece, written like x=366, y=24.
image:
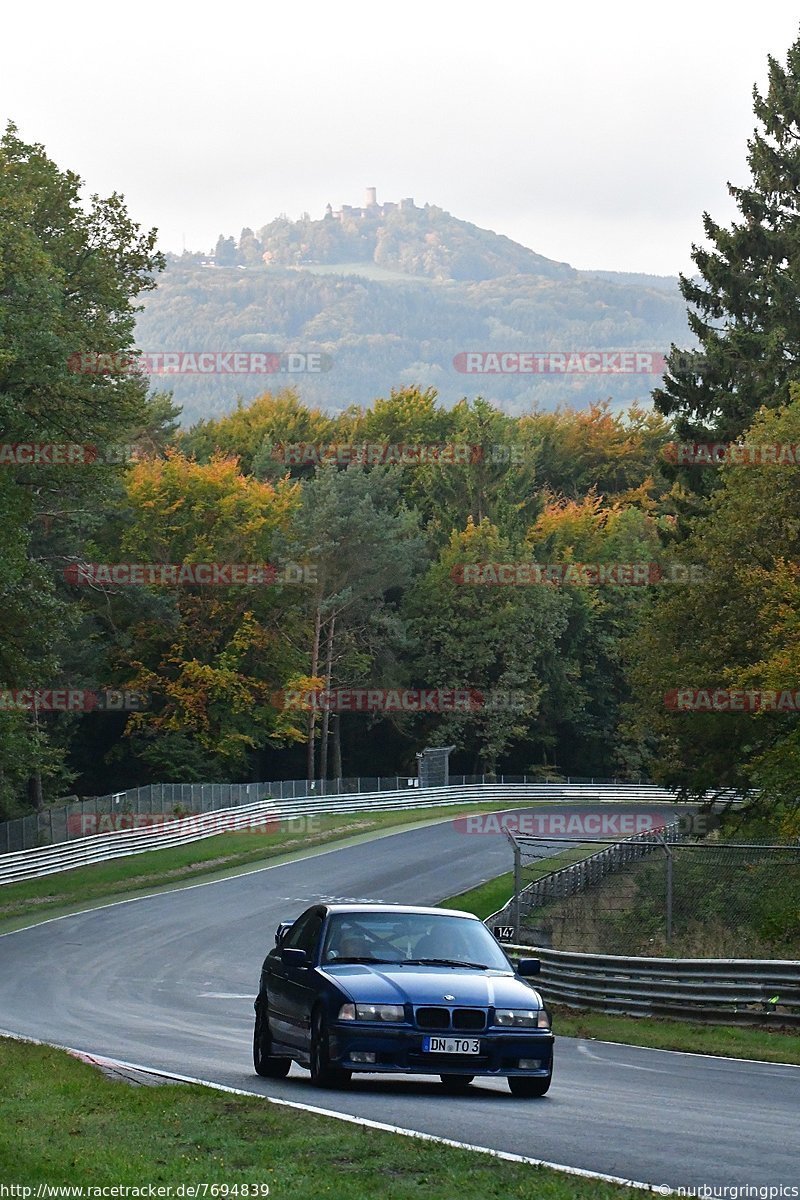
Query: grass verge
x=728, y=1041
x=62, y=1122
x=211, y=856
x=489, y=897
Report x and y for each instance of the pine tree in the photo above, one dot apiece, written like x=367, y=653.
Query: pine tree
x=745, y=308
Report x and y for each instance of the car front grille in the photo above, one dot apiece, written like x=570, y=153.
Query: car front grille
x=465, y=1019
x=469, y=1018
x=433, y=1018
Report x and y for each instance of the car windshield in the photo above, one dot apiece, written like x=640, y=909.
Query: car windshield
x=411, y=938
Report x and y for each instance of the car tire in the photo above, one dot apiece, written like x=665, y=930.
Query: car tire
x=528, y=1086
x=456, y=1083
x=267, y=1065
x=322, y=1073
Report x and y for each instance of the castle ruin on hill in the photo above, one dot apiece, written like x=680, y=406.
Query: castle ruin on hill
x=371, y=208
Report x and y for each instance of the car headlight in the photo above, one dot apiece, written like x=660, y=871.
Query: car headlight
x=372, y=1012
x=522, y=1018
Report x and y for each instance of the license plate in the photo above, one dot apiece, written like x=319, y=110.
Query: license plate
x=441, y=1045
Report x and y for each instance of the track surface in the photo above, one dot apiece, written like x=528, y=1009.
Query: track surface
x=168, y=981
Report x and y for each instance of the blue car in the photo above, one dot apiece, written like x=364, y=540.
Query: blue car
x=392, y=988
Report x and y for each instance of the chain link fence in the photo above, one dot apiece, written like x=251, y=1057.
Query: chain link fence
x=657, y=894
x=119, y=810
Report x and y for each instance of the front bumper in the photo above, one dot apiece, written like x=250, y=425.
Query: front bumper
x=400, y=1050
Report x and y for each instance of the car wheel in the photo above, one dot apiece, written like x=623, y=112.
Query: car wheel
x=267, y=1065
x=456, y=1083
x=322, y=1073
x=528, y=1086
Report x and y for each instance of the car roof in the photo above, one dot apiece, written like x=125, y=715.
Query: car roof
x=398, y=909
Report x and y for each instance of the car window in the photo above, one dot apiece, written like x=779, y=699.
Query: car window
x=304, y=933
x=393, y=937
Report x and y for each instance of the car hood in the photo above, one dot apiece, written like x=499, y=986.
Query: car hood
x=395, y=984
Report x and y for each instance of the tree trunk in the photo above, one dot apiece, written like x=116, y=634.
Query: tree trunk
x=35, y=793
x=312, y=716
x=323, y=746
x=337, y=747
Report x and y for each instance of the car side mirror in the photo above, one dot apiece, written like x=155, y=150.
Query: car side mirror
x=291, y=956
x=529, y=966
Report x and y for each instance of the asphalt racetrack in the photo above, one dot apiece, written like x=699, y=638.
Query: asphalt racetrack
x=168, y=981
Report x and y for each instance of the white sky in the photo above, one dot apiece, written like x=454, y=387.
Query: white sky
x=594, y=133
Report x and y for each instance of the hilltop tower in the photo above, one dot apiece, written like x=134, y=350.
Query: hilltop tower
x=372, y=198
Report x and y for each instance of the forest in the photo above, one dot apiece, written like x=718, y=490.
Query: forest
x=540, y=587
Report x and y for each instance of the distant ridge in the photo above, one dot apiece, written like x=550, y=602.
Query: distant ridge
x=390, y=295
x=398, y=236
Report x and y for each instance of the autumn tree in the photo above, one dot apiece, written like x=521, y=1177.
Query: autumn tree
x=70, y=273
x=736, y=627
x=212, y=657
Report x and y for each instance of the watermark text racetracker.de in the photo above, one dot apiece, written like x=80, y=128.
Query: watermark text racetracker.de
x=201, y=362
x=588, y=823
x=744, y=454
x=86, y=824
x=372, y=454
x=62, y=454
x=402, y=700
x=729, y=700
x=612, y=574
x=404, y=454
x=185, y=574
x=73, y=700
x=558, y=362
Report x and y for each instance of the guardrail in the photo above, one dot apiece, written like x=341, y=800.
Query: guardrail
x=48, y=860
x=723, y=990
x=74, y=818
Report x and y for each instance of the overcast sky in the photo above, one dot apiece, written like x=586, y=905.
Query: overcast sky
x=594, y=133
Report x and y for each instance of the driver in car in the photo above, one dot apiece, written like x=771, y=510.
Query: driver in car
x=350, y=944
x=441, y=943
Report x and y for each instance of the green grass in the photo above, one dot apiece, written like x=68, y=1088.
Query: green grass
x=62, y=1122
x=491, y=896
x=211, y=856
x=485, y=899
x=729, y=1041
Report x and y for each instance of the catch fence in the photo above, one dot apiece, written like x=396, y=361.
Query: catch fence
x=657, y=893
x=74, y=818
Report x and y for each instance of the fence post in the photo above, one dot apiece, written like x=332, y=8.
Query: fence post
x=515, y=919
x=669, y=893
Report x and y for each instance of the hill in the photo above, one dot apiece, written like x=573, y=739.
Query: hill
x=390, y=298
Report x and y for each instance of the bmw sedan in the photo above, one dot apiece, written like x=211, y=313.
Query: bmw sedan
x=392, y=988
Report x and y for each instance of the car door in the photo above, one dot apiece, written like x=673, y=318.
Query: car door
x=291, y=989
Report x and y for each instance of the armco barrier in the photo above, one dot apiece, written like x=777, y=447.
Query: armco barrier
x=47, y=860
x=723, y=990
x=73, y=817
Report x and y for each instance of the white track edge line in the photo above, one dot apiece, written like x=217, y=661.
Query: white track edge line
x=349, y=1118
x=726, y=1058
